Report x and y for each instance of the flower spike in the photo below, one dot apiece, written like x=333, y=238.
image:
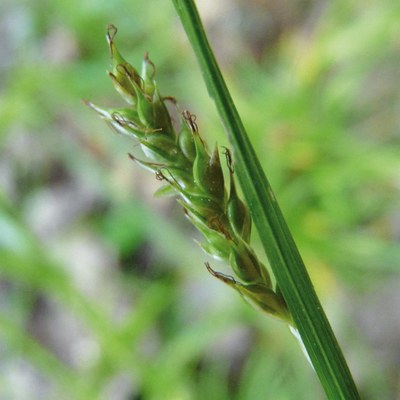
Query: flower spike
x=181, y=160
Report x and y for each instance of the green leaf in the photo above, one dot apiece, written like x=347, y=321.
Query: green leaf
x=283, y=255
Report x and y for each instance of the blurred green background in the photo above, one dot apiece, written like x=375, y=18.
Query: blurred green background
x=103, y=291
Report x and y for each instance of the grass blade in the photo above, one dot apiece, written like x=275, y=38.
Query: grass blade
x=283, y=255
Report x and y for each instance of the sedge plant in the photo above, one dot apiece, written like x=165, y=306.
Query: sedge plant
x=181, y=159
x=190, y=170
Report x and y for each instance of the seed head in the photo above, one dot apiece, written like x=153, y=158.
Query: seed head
x=180, y=158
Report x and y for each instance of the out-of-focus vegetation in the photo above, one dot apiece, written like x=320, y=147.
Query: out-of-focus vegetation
x=103, y=292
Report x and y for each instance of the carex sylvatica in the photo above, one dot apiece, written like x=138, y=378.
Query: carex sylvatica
x=180, y=158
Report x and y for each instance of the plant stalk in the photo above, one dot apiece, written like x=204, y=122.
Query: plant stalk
x=283, y=255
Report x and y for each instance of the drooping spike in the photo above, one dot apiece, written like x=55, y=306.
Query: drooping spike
x=189, y=170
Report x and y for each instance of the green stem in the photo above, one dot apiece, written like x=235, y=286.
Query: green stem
x=285, y=260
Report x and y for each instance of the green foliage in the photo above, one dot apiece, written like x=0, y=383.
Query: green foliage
x=311, y=325
x=321, y=106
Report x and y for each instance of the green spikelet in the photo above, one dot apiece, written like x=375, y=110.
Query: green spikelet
x=186, y=141
x=123, y=76
x=236, y=211
x=182, y=161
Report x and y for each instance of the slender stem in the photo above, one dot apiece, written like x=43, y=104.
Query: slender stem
x=285, y=260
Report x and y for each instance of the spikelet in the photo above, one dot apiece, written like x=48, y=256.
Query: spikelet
x=194, y=174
